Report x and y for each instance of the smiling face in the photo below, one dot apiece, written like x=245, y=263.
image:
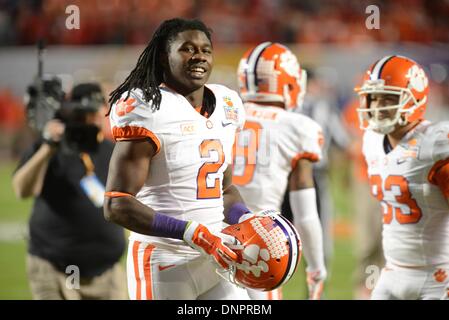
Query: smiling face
x=189, y=61
x=381, y=101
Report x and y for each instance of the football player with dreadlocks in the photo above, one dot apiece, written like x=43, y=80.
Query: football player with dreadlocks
x=169, y=180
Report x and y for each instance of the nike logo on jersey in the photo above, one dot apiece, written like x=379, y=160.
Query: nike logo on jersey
x=401, y=160
x=225, y=124
x=162, y=268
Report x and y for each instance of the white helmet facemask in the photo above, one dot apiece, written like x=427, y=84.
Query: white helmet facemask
x=371, y=119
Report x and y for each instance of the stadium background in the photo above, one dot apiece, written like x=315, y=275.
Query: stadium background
x=329, y=37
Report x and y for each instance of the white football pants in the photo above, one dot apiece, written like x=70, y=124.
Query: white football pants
x=156, y=273
x=397, y=283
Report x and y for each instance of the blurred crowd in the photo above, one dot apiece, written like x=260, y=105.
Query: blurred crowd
x=23, y=22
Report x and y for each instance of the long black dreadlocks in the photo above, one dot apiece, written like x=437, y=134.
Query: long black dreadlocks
x=148, y=72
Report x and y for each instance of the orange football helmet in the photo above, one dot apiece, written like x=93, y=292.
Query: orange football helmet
x=270, y=72
x=270, y=250
x=395, y=75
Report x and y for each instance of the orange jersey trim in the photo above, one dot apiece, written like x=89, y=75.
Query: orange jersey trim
x=133, y=133
x=136, y=270
x=275, y=294
x=439, y=175
x=147, y=271
x=313, y=157
x=117, y=194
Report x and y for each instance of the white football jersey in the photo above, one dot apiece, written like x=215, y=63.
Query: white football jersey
x=266, y=151
x=186, y=174
x=415, y=211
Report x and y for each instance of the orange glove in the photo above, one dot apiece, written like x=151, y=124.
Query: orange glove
x=200, y=238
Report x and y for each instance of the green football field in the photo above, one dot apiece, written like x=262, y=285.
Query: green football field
x=14, y=214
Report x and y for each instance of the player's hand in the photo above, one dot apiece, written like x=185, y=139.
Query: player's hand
x=200, y=238
x=315, y=283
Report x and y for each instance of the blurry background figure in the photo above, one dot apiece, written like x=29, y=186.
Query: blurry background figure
x=368, y=216
x=320, y=105
x=279, y=145
x=73, y=253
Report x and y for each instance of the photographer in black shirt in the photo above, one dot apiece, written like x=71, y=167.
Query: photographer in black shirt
x=73, y=252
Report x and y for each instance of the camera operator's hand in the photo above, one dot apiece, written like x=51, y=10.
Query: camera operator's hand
x=53, y=132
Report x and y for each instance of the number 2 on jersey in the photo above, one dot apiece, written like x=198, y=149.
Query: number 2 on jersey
x=203, y=191
x=404, y=198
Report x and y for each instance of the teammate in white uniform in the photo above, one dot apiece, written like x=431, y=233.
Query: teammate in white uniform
x=277, y=147
x=168, y=177
x=408, y=168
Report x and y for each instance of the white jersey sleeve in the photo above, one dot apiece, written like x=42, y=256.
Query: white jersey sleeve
x=436, y=151
x=441, y=144
x=133, y=119
x=307, y=136
x=436, y=147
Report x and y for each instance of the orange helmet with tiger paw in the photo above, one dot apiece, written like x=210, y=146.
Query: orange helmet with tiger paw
x=270, y=250
x=393, y=75
x=270, y=72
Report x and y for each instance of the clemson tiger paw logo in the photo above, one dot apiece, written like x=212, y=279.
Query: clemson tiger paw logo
x=290, y=64
x=440, y=275
x=124, y=106
x=254, y=260
x=417, y=78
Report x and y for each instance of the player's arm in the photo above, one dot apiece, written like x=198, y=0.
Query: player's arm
x=234, y=206
x=305, y=215
x=128, y=170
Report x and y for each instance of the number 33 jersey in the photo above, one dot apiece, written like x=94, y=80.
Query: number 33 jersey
x=192, y=152
x=415, y=210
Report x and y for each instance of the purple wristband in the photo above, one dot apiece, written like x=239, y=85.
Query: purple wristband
x=167, y=227
x=236, y=211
